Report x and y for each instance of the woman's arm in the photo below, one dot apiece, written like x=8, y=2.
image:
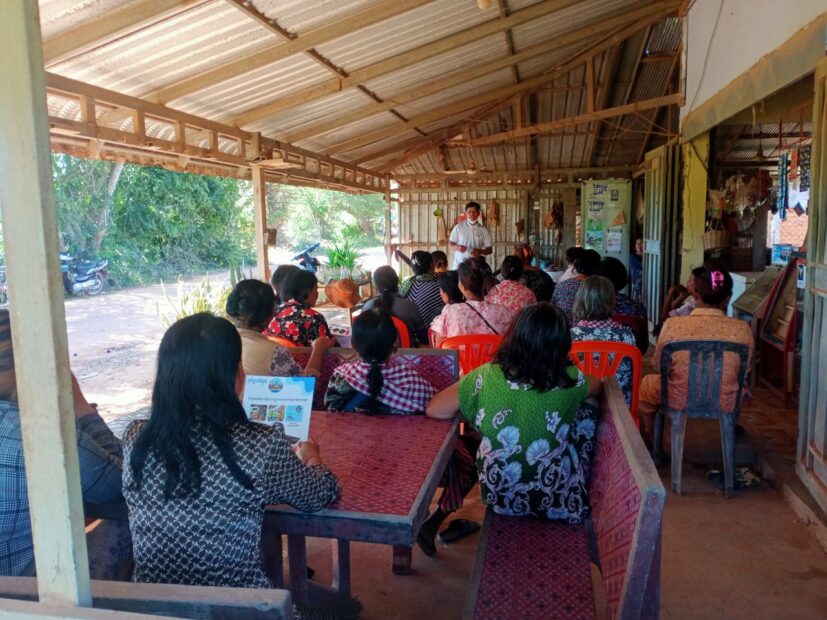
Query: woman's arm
x=594, y=391
x=320, y=347
x=445, y=404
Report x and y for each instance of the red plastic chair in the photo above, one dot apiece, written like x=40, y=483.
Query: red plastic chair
x=474, y=349
x=283, y=342
x=606, y=365
x=404, y=334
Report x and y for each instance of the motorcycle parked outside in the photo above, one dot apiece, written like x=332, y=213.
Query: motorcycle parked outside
x=82, y=277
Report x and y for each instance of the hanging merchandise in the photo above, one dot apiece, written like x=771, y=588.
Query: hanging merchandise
x=804, y=166
x=494, y=214
x=548, y=220
x=783, y=189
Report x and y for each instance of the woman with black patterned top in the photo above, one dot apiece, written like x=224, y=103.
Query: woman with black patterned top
x=197, y=474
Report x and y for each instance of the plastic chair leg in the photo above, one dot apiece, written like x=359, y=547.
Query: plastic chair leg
x=678, y=432
x=728, y=452
x=657, y=440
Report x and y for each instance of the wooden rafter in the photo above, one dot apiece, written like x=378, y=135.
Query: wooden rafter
x=653, y=115
x=572, y=121
x=111, y=24
x=505, y=11
x=416, y=147
x=492, y=95
x=612, y=61
x=373, y=14
x=629, y=22
x=240, y=148
x=405, y=59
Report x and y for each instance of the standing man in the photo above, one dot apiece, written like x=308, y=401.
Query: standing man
x=470, y=238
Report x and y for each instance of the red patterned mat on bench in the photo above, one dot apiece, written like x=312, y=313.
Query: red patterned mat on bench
x=535, y=570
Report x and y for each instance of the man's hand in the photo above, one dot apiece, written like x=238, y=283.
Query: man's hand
x=461, y=248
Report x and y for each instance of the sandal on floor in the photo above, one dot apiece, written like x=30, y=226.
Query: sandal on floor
x=745, y=478
x=426, y=544
x=458, y=529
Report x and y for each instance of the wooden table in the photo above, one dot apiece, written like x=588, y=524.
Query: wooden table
x=389, y=468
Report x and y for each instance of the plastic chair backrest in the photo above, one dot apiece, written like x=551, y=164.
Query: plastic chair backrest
x=283, y=342
x=639, y=326
x=706, y=369
x=604, y=361
x=404, y=334
x=474, y=349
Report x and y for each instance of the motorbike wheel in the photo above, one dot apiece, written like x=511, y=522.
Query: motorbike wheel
x=98, y=285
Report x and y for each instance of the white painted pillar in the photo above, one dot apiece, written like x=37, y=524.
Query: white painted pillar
x=38, y=321
x=260, y=217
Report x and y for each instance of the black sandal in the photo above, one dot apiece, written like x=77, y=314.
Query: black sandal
x=458, y=529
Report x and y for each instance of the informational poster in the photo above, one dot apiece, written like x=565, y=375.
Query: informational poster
x=614, y=240
x=287, y=401
x=606, y=217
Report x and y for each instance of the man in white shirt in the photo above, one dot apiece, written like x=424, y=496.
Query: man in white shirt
x=470, y=238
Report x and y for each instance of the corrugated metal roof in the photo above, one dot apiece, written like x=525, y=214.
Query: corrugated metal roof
x=202, y=36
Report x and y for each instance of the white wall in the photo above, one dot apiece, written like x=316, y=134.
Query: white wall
x=746, y=31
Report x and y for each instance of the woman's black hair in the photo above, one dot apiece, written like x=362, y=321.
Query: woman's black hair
x=298, y=285
x=194, y=395
x=615, y=271
x=587, y=263
x=713, y=285
x=512, y=268
x=572, y=253
x=251, y=302
x=476, y=276
x=440, y=258
x=449, y=284
x=277, y=279
x=387, y=283
x=422, y=262
x=374, y=338
x=535, y=349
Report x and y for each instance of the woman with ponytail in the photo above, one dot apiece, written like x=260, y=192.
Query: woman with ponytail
x=386, y=282
x=198, y=474
x=378, y=382
x=382, y=383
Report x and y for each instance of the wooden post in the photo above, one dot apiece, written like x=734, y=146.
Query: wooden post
x=260, y=216
x=38, y=319
x=388, y=239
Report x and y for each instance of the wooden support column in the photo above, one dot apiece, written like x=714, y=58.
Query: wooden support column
x=38, y=320
x=388, y=219
x=695, y=160
x=260, y=217
x=570, y=210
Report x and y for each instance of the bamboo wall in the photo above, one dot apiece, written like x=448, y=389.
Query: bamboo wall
x=420, y=229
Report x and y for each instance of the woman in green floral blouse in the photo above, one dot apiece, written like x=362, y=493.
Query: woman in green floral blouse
x=536, y=414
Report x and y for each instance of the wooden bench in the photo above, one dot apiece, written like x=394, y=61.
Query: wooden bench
x=526, y=568
x=157, y=599
x=439, y=367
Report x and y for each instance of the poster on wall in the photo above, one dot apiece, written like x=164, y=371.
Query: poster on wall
x=606, y=217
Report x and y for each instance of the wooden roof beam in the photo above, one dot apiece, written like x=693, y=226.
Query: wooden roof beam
x=369, y=16
x=117, y=23
x=542, y=128
x=406, y=59
x=630, y=23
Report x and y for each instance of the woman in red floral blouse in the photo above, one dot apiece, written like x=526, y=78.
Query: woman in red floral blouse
x=295, y=319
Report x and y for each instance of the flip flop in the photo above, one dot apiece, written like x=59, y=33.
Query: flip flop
x=458, y=529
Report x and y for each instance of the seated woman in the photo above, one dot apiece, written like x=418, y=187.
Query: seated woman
x=295, y=319
x=422, y=288
x=449, y=288
x=708, y=321
x=278, y=277
x=511, y=292
x=571, y=255
x=383, y=383
x=627, y=312
x=586, y=264
x=99, y=456
x=537, y=432
x=387, y=285
x=534, y=278
x=250, y=306
x=198, y=474
x=440, y=259
x=379, y=382
x=473, y=316
x=593, y=309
